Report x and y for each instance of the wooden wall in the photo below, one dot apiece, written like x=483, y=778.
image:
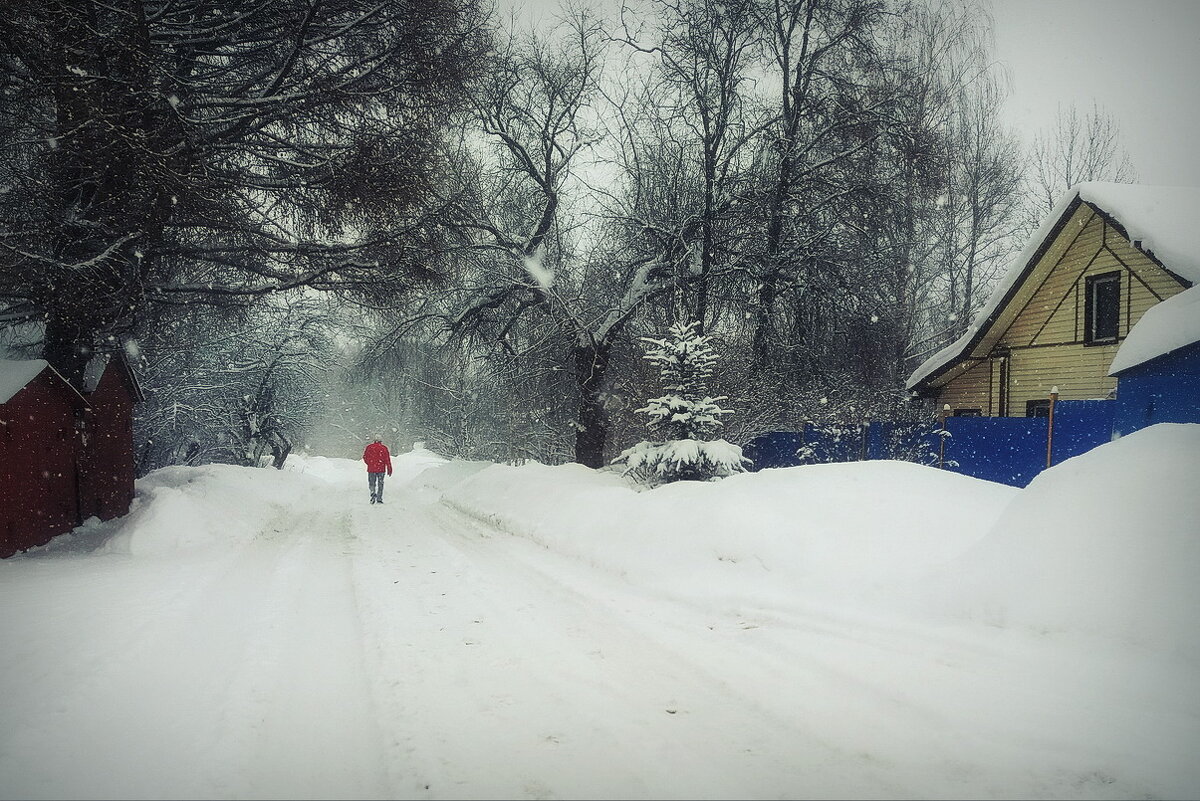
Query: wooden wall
x=38, y=451
x=971, y=390
x=1043, y=333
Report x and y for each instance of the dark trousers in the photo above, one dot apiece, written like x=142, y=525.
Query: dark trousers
x=375, y=482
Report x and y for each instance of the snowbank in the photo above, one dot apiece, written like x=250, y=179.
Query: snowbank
x=841, y=528
x=188, y=507
x=1107, y=542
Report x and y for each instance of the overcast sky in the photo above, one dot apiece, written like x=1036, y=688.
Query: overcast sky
x=1140, y=59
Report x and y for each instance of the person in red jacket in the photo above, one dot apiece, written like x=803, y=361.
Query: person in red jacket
x=378, y=460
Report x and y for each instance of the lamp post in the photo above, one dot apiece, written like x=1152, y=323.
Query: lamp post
x=942, y=437
x=1050, y=425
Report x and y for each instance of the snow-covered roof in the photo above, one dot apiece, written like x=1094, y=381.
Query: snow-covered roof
x=14, y=375
x=1165, y=327
x=93, y=372
x=1161, y=221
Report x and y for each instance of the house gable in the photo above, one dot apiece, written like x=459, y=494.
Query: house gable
x=1055, y=312
x=1032, y=335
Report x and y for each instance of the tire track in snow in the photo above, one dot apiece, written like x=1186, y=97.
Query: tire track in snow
x=246, y=683
x=305, y=720
x=823, y=704
x=551, y=691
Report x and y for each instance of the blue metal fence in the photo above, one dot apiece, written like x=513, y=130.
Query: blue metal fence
x=1010, y=450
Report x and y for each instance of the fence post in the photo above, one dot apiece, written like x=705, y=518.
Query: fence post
x=1050, y=426
x=942, y=437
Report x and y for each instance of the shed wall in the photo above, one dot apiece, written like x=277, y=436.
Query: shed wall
x=38, y=466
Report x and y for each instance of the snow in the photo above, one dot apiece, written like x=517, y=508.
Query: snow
x=863, y=630
x=1165, y=327
x=93, y=371
x=15, y=374
x=535, y=266
x=1161, y=219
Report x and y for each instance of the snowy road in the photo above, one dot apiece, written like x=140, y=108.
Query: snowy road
x=411, y=651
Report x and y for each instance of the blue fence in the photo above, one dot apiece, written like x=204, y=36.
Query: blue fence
x=815, y=445
x=1010, y=450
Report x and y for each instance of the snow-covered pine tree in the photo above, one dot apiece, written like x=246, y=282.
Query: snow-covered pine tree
x=685, y=419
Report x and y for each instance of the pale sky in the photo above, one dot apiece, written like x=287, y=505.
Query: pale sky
x=1139, y=59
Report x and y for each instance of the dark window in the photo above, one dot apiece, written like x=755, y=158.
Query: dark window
x=968, y=412
x=1102, y=312
x=1037, y=408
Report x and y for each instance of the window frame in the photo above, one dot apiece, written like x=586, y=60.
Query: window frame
x=1032, y=407
x=1090, y=318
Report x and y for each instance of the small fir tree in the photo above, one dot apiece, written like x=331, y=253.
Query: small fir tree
x=686, y=418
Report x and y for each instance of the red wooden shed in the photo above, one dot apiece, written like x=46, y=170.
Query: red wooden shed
x=40, y=417
x=65, y=455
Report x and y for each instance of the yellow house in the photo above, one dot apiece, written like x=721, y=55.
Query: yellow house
x=1103, y=256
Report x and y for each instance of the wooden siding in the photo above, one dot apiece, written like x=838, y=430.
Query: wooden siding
x=1043, y=329
x=971, y=390
x=1078, y=372
x=39, y=447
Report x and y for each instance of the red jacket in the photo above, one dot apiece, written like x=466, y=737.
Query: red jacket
x=377, y=458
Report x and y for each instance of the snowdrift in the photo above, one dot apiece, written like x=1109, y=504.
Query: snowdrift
x=188, y=507
x=1107, y=542
x=837, y=528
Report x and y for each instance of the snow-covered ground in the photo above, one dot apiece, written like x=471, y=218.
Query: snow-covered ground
x=868, y=630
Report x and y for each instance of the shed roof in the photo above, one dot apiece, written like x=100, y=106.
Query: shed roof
x=16, y=374
x=1161, y=221
x=1164, y=328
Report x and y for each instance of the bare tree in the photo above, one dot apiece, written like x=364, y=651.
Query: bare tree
x=529, y=283
x=1079, y=147
x=982, y=199
x=705, y=52
x=233, y=385
x=829, y=110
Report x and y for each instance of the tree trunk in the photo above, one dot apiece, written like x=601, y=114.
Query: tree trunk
x=67, y=346
x=591, y=363
x=764, y=331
